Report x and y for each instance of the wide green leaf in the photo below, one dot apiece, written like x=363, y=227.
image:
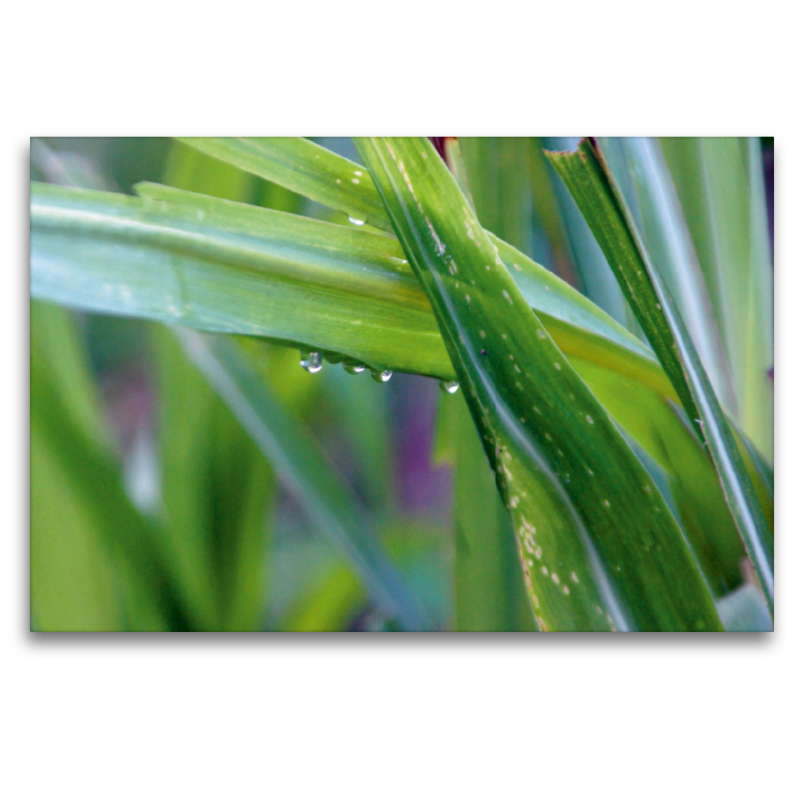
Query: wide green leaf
x=545, y=433
x=590, y=183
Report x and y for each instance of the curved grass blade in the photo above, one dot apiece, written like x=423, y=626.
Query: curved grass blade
x=231, y=268
x=589, y=182
x=228, y=267
x=305, y=472
x=305, y=168
x=540, y=424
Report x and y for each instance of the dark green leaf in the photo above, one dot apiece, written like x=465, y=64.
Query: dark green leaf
x=541, y=426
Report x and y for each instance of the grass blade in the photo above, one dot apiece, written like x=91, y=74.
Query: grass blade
x=536, y=416
x=72, y=573
x=499, y=179
x=489, y=591
x=92, y=481
x=215, y=489
x=589, y=182
x=231, y=268
x=639, y=163
x=228, y=267
x=720, y=183
x=305, y=168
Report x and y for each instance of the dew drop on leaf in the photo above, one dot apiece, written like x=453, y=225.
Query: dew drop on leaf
x=311, y=362
x=381, y=377
x=451, y=387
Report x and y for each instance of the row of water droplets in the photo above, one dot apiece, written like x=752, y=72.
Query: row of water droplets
x=312, y=362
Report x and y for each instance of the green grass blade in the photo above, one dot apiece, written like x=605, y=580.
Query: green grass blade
x=657, y=425
x=596, y=278
x=72, y=577
x=72, y=574
x=215, y=486
x=720, y=183
x=639, y=163
x=233, y=268
x=537, y=417
x=498, y=169
x=588, y=180
x=305, y=168
x=305, y=472
x=489, y=590
x=92, y=481
x=236, y=269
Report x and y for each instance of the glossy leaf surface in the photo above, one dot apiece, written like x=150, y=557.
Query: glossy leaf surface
x=541, y=426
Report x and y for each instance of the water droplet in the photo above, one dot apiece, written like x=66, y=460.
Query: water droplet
x=381, y=377
x=311, y=362
x=353, y=369
x=356, y=221
x=451, y=387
